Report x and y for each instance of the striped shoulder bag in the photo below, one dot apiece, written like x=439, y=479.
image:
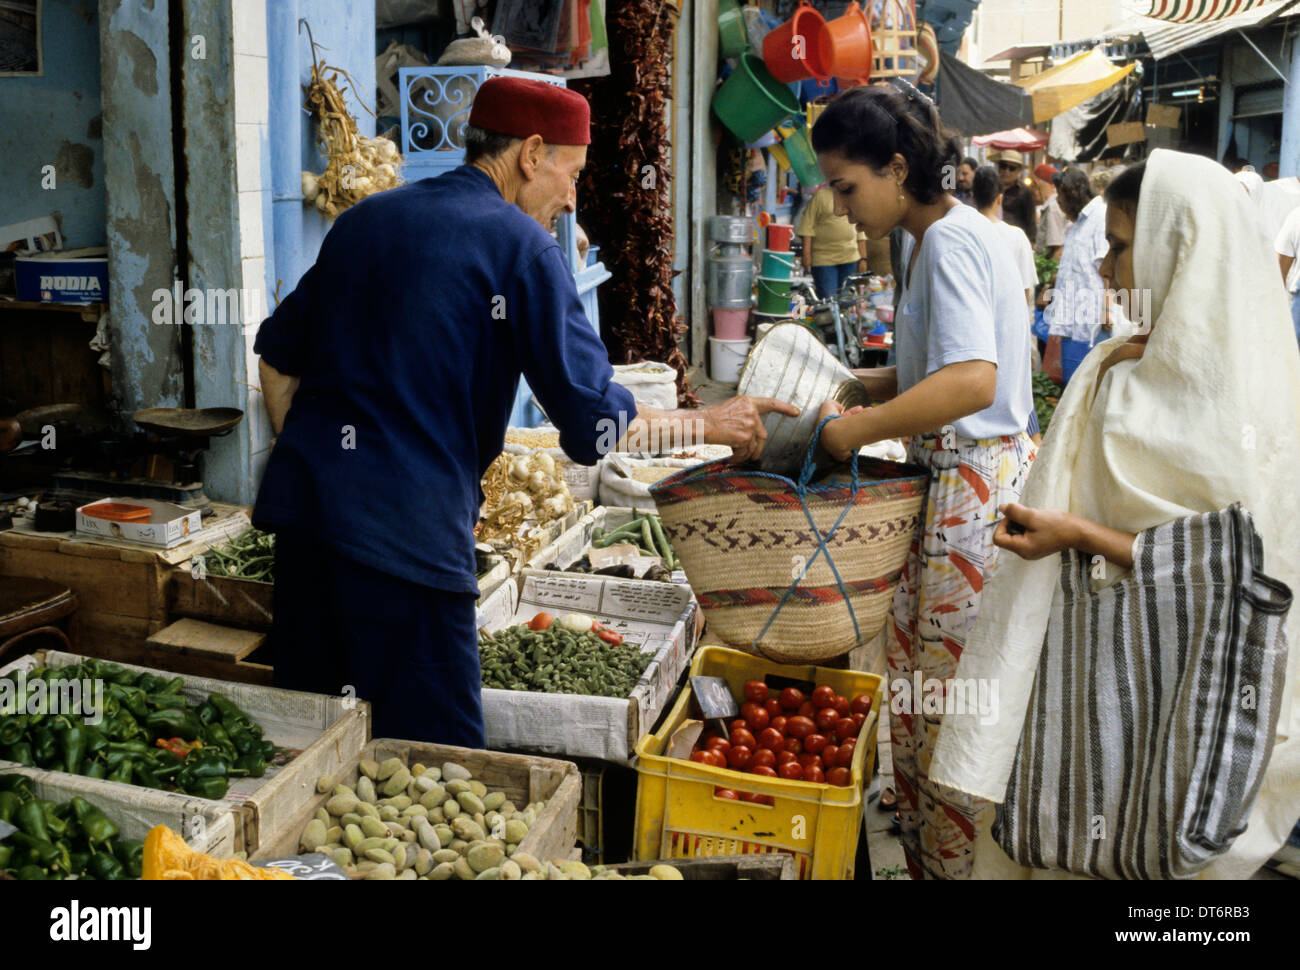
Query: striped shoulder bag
x=1154, y=707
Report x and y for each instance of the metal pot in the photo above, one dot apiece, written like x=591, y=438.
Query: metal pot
x=731, y=229
x=791, y=364
x=730, y=282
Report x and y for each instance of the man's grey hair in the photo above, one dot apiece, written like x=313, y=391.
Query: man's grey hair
x=483, y=144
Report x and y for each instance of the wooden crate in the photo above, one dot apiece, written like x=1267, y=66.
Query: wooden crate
x=723, y=867
x=220, y=599
x=325, y=733
x=205, y=825
x=523, y=778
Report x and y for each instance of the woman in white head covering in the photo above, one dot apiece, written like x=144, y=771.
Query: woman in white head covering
x=1199, y=411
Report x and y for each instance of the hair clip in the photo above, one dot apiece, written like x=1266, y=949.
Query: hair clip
x=909, y=91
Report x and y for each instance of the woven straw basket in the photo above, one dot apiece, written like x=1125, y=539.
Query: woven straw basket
x=744, y=539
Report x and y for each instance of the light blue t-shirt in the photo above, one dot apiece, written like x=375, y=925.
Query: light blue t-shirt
x=966, y=301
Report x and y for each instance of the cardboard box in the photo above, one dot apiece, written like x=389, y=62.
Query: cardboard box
x=658, y=616
x=574, y=543
x=1125, y=133
x=67, y=276
x=169, y=525
x=1164, y=116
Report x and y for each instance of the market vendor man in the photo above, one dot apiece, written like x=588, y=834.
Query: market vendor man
x=389, y=374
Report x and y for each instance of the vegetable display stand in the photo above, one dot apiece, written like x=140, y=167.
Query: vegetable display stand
x=243, y=603
x=751, y=102
x=678, y=814
x=524, y=779
x=317, y=733
x=657, y=617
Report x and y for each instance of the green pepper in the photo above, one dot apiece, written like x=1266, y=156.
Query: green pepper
x=45, y=747
x=30, y=819
x=130, y=852
x=73, y=745
x=116, y=674
x=148, y=683
x=13, y=728
x=95, y=739
x=42, y=852
x=97, y=826
x=174, y=722
x=55, y=823
x=6, y=854
x=103, y=865
x=215, y=735
x=78, y=860
x=9, y=803
x=95, y=769
x=122, y=771
x=143, y=774
x=134, y=700
x=251, y=765
x=134, y=748
x=19, y=783
x=207, y=788
x=30, y=873
x=19, y=751
x=208, y=713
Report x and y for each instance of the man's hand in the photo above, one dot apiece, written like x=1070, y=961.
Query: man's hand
x=738, y=423
x=1045, y=531
x=838, y=450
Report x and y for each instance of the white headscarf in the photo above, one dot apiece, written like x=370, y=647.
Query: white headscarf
x=1210, y=415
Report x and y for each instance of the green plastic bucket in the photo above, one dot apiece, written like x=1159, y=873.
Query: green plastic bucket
x=751, y=102
x=803, y=160
x=777, y=266
x=773, y=295
x=733, y=39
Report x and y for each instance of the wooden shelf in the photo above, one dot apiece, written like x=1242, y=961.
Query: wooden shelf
x=90, y=312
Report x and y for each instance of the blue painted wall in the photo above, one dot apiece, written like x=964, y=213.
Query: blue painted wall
x=348, y=30
x=39, y=114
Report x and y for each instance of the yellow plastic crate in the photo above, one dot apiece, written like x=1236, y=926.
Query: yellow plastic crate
x=678, y=816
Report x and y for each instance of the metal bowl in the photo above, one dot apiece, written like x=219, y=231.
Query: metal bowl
x=791, y=364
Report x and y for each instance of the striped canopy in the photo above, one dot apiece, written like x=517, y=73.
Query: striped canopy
x=1201, y=11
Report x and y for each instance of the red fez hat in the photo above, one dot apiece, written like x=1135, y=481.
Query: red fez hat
x=1047, y=172
x=518, y=107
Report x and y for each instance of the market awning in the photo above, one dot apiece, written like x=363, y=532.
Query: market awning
x=1202, y=11
x=1081, y=77
x=1165, y=39
x=1018, y=139
x=972, y=103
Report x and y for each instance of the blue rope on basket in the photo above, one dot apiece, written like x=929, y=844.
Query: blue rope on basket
x=801, y=489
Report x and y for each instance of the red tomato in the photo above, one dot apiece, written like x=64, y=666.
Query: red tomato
x=773, y=707
x=784, y=757
x=779, y=722
x=806, y=709
x=825, y=719
x=791, y=770
x=721, y=744
x=814, y=774
x=708, y=736
x=860, y=704
x=764, y=770
x=724, y=793
x=744, y=736
x=542, y=621
x=841, y=704
x=839, y=776
x=702, y=757
x=814, y=743
x=739, y=722
x=791, y=698
x=828, y=756
x=806, y=760
x=794, y=745
x=800, y=727
x=719, y=758
x=771, y=739
x=844, y=728
x=763, y=758
x=844, y=757
x=759, y=721
x=748, y=708
x=749, y=796
x=739, y=757
x=755, y=690
x=823, y=696
x=858, y=720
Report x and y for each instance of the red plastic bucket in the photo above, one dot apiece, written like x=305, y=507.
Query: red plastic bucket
x=789, y=62
x=730, y=324
x=778, y=237
x=849, y=47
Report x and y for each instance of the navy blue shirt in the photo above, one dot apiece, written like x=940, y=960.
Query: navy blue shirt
x=409, y=334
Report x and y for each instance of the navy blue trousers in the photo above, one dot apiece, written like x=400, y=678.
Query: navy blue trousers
x=410, y=650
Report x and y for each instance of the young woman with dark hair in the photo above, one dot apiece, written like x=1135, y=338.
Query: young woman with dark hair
x=960, y=392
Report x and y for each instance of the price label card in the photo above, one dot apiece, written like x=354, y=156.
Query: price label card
x=312, y=865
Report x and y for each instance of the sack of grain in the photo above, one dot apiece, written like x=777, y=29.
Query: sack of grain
x=651, y=383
